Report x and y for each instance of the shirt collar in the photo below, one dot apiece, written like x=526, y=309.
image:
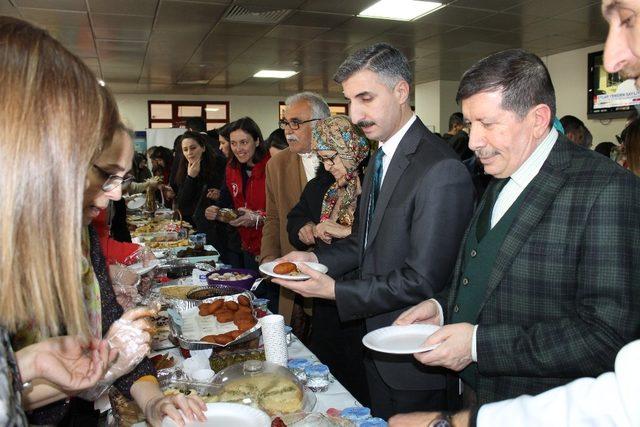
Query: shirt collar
x=309, y=155
x=389, y=146
x=530, y=168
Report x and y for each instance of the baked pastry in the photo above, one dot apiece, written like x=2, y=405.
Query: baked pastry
x=274, y=393
x=286, y=268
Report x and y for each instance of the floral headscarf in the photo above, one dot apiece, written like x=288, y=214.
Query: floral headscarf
x=338, y=134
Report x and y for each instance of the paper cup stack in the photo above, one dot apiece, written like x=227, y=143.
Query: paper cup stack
x=275, y=341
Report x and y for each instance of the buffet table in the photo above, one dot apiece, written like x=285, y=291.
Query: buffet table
x=335, y=397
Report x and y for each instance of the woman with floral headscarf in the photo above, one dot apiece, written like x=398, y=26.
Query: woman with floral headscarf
x=327, y=205
x=326, y=212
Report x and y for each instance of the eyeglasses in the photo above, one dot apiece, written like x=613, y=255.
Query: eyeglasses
x=294, y=124
x=327, y=159
x=112, y=181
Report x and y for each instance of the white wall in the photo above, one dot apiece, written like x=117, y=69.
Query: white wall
x=435, y=102
x=427, y=101
x=262, y=109
x=569, y=75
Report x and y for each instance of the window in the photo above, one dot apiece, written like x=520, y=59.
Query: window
x=174, y=114
x=336, y=108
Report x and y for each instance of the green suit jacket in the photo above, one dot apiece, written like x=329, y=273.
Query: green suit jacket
x=564, y=292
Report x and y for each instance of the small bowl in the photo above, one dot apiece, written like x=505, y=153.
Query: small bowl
x=244, y=283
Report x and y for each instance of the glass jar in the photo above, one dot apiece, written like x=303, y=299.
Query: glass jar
x=317, y=377
x=297, y=367
x=356, y=414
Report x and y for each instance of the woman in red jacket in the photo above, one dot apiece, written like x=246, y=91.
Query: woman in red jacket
x=245, y=176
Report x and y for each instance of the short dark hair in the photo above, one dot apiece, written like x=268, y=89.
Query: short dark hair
x=571, y=123
x=520, y=76
x=456, y=119
x=196, y=124
x=248, y=125
x=605, y=148
x=381, y=58
x=277, y=139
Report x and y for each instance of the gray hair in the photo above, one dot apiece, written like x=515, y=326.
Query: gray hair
x=319, y=107
x=381, y=58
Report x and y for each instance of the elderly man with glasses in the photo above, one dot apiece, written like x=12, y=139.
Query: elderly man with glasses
x=287, y=174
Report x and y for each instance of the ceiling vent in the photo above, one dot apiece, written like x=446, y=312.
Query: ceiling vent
x=255, y=15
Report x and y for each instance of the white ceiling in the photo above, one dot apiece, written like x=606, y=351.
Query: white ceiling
x=164, y=46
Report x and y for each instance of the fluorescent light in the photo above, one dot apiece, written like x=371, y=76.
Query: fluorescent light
x=275, y=74
x=400, y=10
x=211, y=109
x=101, y=82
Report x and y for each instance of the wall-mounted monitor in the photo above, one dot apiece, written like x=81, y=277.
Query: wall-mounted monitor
x=609, y=96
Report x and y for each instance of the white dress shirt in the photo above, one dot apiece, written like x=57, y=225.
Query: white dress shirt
x=310, y=164
x=611, y=400
x=390, y=145
x=510, y=192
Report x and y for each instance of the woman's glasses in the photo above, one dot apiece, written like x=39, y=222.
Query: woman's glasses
x=329, y=159
x=112, y=181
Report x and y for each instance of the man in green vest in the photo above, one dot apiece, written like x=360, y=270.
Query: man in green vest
x=545, y=288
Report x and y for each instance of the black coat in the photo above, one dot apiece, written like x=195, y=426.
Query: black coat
x=308, y=207
x=192, y=193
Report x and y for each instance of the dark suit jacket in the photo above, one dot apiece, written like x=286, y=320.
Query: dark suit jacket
x=423, y=208
x=564, y=293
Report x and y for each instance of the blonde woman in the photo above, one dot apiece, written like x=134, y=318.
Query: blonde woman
x=56, y=124
x=49, y=102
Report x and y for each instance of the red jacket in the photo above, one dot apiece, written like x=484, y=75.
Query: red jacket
x=255, y=199
x=113, y=250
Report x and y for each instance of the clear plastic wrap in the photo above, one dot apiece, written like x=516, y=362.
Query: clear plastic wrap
x=130, y=337
x=125, y=285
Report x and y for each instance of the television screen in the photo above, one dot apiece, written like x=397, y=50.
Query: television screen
x=609, y=95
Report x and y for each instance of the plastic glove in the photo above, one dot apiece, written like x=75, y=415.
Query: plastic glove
x=130, y=336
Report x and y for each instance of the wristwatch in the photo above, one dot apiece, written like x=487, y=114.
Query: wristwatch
x=443, y=420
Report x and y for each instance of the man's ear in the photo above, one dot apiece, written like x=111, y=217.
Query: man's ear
x=541, y=119
x=401, y=91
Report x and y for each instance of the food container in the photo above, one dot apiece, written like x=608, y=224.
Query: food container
x=227, y=357
x=356, y=414
x=374, y=422
x=163, y=213
x=204, y=292
x=189, y=327
x=199, y=240
x=263, y=385
x=246, y=283
x=317, y=377
x=226, y=214
x=297, y=367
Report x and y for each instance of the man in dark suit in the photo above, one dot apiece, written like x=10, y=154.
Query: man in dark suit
x=545, y=289
x=416, y=201
x=457, y=138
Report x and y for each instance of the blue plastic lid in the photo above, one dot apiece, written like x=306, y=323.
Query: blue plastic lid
x=356, y=413
x=317, y=369
x=298, y=363
x=374, y=422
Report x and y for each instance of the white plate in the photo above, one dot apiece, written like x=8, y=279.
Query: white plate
x=138, y=268
x=407, y=339
x=228, y=414
x=136, y=203
x=267, y=268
